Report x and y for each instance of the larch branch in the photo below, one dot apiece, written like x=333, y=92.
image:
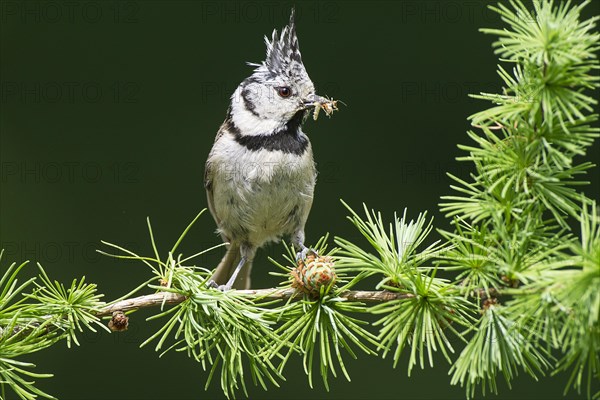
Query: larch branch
x=168, y=298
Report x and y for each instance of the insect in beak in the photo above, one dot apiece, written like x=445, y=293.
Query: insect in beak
x=321, y=103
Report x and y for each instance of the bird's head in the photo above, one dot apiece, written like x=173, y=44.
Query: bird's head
x=279, y=89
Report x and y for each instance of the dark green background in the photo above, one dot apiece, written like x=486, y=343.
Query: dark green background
x=109, y=110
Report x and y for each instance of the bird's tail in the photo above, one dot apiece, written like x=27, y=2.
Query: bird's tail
x=228, y=264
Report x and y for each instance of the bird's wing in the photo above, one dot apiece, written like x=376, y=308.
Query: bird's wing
x=209, y=181
x=208, y=185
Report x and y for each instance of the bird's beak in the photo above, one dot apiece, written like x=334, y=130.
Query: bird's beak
x=312, y=100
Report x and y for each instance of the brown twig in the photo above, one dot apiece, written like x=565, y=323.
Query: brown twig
x=135, y=303
x=168, y=298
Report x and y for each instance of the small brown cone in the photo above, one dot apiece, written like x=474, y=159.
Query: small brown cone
x=313, y=273
x=119, y=322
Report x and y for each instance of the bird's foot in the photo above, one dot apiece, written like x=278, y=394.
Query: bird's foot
x=214, y=285
x=229, y=285
x=301, y=255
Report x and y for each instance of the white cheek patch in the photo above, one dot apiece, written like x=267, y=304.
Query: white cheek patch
x=248, y=122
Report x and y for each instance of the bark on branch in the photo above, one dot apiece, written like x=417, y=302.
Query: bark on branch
x=156, y=299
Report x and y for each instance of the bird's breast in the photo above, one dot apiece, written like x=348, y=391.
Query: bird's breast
x=262, y=193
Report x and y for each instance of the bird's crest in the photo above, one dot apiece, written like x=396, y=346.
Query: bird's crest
x=283, y=53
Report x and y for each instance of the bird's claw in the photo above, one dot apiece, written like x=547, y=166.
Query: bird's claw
x=214, y=285
x=301, y=255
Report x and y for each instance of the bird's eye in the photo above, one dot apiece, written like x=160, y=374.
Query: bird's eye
x=284, y=91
